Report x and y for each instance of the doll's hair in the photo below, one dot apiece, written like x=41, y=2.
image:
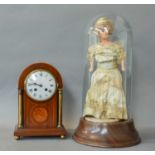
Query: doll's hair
x=105, y=22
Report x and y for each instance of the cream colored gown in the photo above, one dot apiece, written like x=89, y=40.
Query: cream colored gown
x=105, y=98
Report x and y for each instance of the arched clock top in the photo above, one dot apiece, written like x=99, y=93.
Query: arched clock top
x=40, y=66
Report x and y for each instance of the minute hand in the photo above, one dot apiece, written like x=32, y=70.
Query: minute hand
x=40, y=85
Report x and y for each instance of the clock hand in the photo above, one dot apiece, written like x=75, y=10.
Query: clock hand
x=40, y=85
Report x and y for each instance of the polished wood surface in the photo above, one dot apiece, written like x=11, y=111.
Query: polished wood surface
x=20, y=132
x=30, y=107
x=114, y=134
x=35, y=117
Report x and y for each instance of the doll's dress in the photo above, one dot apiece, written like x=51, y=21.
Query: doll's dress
x=105, y=98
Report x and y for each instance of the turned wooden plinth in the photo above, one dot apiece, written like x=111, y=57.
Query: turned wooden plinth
x=113, y=134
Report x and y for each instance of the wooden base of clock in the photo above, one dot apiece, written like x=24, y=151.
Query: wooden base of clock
x=113, y=134
x=25, y=132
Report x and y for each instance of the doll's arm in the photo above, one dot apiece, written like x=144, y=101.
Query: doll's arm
x=123, y=60
x=91, y=58
x=123, y=65
x=91, y=65
x=121, y=57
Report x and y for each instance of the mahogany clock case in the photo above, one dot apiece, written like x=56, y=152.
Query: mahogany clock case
x=40, y=118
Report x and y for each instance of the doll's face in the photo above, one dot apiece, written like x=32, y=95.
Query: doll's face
x=103, y=32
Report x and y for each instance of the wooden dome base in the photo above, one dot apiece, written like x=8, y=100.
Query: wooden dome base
x=113, y=134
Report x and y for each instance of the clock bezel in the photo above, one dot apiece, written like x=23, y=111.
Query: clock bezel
x=25, y=82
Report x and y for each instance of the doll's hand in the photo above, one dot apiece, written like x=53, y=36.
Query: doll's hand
x=91, y=65
x=123, y=66
x=90, y=69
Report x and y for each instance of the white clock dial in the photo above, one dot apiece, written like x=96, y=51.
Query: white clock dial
x=40, y=85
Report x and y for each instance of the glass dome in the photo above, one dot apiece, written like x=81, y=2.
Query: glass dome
x=107, y=91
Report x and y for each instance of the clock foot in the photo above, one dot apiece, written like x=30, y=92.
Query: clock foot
x=62, y=136
x=17, y=137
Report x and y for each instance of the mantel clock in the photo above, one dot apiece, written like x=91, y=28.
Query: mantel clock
x=40, y=90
